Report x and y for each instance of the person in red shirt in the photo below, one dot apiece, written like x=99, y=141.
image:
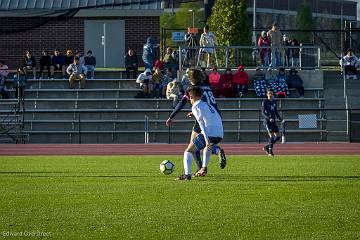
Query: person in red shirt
x=227, y=83
x=214, y=81
x=264, y=47
x=241, y=82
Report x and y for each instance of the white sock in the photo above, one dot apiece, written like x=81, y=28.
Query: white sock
x=206, y=157
x=187, y=163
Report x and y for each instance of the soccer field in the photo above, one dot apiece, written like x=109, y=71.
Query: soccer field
x=126, y=197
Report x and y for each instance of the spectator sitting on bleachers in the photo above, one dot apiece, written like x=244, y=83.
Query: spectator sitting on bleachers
x=4, y=72
x=259, y=83
x=57, y=63
x=269, y=75
x=169, y=60
x=168, y=77
x=19, y=83
x=214, y=81
x=131, y=63
x=76, y=71
x=227, y=84
x=81, y=58
x=157, y=82
x=29, y=63
x=159, y=64
x=293, y=80
x=279, y=86
x=45, y=63
x=90, y=63
x=144, y=79
x=241, y=82
x=174, y=91
x=350, y=63
x=185, y=82
x=69, y=57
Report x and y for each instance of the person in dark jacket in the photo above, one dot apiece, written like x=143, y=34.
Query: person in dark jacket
x=90, y=63
x=57, y=63
x=149, y=53
x=131, y=63
x=45, y=63
x=29, y=63
x=294, y=81
x=270, y=114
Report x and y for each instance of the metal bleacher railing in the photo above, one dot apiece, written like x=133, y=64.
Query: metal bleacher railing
x=231, y=56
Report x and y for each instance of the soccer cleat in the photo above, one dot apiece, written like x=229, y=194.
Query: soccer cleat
x=222, y=158
x=201, y=173
x=266, y=149
x=184, y=177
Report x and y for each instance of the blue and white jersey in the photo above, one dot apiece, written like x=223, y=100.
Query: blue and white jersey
x=209, y=119
x=207, y=96
x=269, y=109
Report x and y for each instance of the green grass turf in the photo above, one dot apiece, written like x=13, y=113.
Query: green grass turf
x=125, y=197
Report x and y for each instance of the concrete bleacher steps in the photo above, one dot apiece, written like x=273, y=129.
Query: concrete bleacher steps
x=107, y=112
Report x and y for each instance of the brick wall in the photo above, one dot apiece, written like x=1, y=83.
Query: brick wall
x=51, y=33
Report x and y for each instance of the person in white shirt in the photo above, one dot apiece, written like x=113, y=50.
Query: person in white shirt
x=207, y=41
x=76, y=71
x=212, y=133
x=350, y=63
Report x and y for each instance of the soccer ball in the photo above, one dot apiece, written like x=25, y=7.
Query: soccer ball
x=166, y=167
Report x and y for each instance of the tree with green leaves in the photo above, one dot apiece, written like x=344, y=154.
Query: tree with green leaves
x=229, y=22
x=304, y=21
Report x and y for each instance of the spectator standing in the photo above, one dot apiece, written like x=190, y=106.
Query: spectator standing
x=207, y=42
x=350, y=62
x=174, y=91
x=4, y=72
x=241, y=82
x=19, y=83
x=293, y=80
x=276, y=44
x=149, y=53
x=144, y=79
x=57, y=63
x=131, y=63
x=29, y=63
x=45, y=63
x=295, y=52
x=265, y=50
x=287, y=42
x=191, y=41
x=76, y=71
x=90, y=63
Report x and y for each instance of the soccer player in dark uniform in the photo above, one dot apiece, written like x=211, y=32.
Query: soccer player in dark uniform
x=196, y=78
x=270, y=113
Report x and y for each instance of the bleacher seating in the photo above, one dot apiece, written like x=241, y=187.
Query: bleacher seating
x=107, y=112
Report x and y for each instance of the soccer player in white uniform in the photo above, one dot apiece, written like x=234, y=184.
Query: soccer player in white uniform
x=212, y=133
